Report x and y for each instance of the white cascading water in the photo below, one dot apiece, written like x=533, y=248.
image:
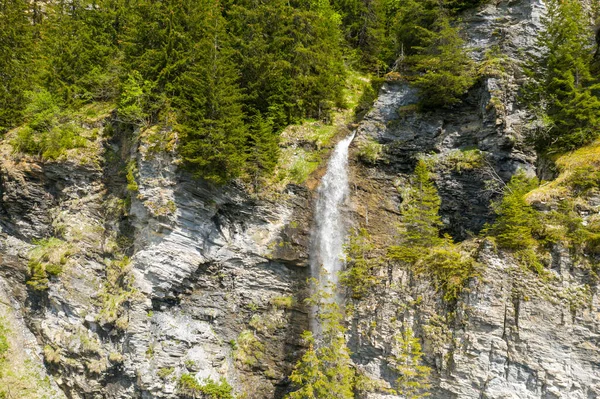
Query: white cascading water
x=329, y=232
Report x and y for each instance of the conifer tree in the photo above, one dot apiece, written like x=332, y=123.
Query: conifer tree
x=289, y=53
x=325, y=371
x=565, y=86
x=413, y=376
x=209, y=100
x=363, y=24
x=263, y=149
x=420, y=219
x=79, y=52
x=445, y=70
x=516, y=219
x=16, y=45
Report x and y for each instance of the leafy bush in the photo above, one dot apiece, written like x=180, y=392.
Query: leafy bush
x=47, y=258
x=370, y=151
x=189, y=386
x=450, y=269
x=45, y=134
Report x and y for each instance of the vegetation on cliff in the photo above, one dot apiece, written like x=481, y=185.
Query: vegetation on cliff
x=228, y=75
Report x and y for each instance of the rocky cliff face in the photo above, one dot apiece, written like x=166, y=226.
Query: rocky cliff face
x=163, y=275
x=513, y=335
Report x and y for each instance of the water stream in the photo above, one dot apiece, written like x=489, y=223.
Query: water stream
x=329, y=231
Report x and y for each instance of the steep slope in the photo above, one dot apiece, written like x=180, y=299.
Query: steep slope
x=127, y=275
x=512, y=334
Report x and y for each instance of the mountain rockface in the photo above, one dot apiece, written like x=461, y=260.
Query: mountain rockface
x=145, y=274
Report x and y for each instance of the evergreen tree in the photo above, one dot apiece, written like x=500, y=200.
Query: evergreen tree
x=360, y=264
x=516, y=219
x=290, y=58
x=363, y=24
x=413, y=376
x=16, y=45
x=445, y=70
x=420, y=219
x=263, y=149
x=78, y=51
x=325, y=371
x=209, y=102
x=565, y=86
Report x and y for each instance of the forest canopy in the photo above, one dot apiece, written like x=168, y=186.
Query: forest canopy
x=230, y=75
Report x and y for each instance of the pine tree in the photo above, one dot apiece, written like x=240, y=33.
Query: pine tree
x=263, y=149
x=420, y=219
x=325, y=371
x=413, y=376
x=78, y=51
x=363, y=24
x=289, y=53
x=445, y=70
x=565, y=86
x=516, y=219
x=210, y=105
x=16, y=45
x=360, y=264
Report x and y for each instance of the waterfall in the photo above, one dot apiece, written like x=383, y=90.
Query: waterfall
x=329, y=231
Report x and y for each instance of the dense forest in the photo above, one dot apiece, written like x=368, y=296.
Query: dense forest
x=230, y=75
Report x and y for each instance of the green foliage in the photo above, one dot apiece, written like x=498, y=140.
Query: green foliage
x=461, y=160
x=360, y=264
x=447, y=265
x=363, y=26
x=209, y=389
x=250, y=350
x=420, y=219
x=325, y=370
x=46, y=134
x=131, y=175
x=516, y=220
x=135, y=106
x=370, y=151
x=47, y=258
x=263, y=150
x=445, y=71
x=369, y=94
x=413, y=376
x=78, y=51
x=564, y=91
x=118, y=290
x=283, y=302
x=289, y=56
x=4, y=344
x=209, y=100
x=16, y=45
x=449, y=269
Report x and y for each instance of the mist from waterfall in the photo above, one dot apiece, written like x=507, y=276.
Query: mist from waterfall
x=329, y=231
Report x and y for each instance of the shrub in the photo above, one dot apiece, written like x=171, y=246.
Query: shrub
x=45, y=134
x=283, y=302
x=117, y=290
x=48, y=257
x=370, y=151
x=189, y=386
